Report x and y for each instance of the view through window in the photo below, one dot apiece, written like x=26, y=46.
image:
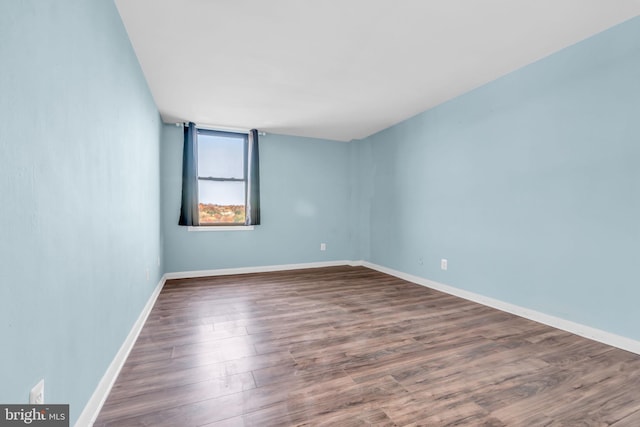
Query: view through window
x=222, y=177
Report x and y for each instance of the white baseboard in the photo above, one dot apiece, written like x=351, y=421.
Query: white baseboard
x=259, y=269
x=93, y=406
x=585, y=331
x=599, y=335
x=96, y=401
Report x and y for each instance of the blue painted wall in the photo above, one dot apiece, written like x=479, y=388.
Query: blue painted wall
x=529, y=186
x=79, y=184
x=305, y=200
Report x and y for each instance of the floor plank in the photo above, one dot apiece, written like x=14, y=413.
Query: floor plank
x=349, y=346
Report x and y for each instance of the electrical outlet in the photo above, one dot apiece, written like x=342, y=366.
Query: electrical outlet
x=443, y=264
x=147, y=273
x=323, y=246
x=420, y=261
x=36, y=395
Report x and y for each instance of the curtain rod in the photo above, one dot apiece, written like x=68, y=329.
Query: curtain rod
x=221, y=128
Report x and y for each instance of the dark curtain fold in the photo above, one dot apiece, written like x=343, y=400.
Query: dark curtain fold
x=189, y=209
x=253, y=184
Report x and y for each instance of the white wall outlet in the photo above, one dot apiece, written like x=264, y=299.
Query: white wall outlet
x=443, y=264
x=36, y=395
x=158, y=260
x=323, y=246
x=420, y=261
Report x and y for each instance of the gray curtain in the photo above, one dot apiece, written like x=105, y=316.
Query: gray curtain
x=253, y=185
x=189, y=210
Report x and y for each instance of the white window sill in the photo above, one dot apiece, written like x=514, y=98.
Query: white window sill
x=222, y=228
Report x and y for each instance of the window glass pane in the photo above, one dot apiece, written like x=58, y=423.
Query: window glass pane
x=220, y=156
x=221, y=201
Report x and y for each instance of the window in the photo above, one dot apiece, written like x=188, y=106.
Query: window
x=220, y=178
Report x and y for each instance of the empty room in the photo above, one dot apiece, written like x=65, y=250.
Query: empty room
x=320, y=213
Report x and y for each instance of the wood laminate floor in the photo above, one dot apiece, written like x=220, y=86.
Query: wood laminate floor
x=349, y=346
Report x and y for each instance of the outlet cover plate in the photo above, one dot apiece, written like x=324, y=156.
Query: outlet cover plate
x=36, y=395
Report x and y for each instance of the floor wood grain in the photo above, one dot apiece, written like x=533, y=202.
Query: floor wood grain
x=349, y=346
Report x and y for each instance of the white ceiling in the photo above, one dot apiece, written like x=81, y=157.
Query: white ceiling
x=341, y=69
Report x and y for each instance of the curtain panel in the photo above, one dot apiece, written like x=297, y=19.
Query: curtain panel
x=189, y=209
x=253, y=180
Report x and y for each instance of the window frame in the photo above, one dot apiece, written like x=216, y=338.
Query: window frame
x=224, y=226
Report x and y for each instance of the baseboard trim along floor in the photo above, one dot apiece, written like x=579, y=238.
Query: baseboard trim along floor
x=93, y=406
x=585, y=331
x=344, y=345
x=99, y=396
